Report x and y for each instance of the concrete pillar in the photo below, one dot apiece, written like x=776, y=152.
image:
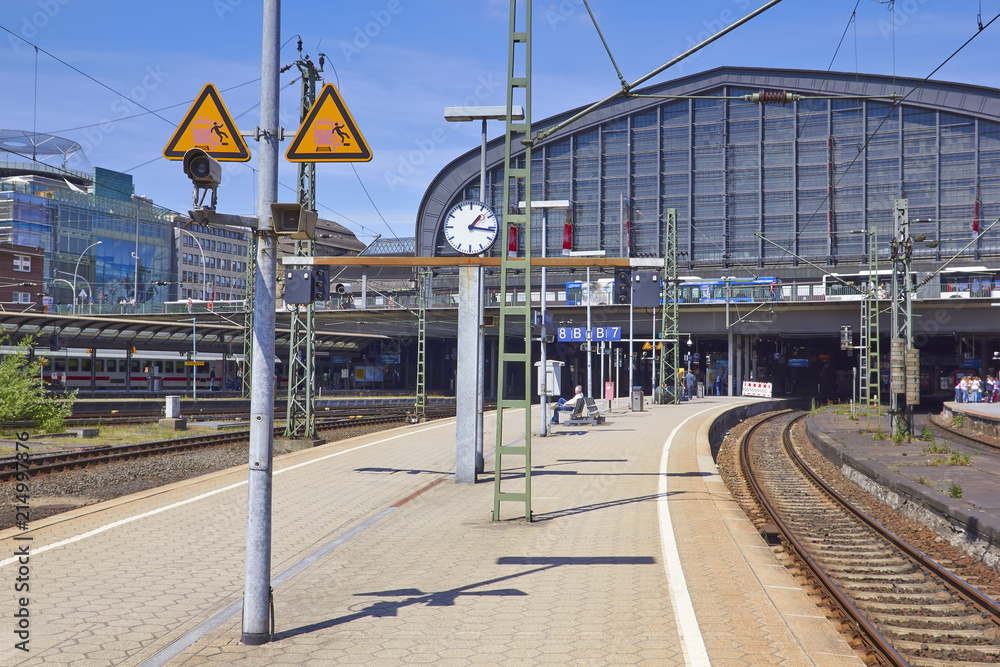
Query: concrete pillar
x=467, y=385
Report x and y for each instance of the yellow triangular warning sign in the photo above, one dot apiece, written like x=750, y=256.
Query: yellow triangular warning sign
x=208, y=126
x=328, y=134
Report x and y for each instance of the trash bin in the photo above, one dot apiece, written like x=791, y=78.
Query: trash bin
x=637, y=400
x=701, y=390
x=157, y=384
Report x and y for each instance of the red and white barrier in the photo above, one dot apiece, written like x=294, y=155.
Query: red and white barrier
x=761, y=389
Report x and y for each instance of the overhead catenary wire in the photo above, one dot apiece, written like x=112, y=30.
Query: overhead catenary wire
x=593, y=18
x=874, y=133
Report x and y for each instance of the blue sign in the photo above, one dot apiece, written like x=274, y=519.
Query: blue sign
x=336, y=359
x=579, y=334
x=799, y=363
x=388, y=359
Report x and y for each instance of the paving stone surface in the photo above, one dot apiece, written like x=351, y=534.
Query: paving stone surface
x=432, y=580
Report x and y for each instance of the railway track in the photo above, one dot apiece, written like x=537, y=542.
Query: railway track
x=67, y=460
x=905, y=607
x=989, y=446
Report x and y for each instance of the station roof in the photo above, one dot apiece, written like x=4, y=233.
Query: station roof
x=222, y=333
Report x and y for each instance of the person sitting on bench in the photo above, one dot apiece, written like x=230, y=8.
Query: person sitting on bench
x=574, y=405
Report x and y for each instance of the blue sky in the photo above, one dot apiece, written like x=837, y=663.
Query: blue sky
x=398, y=63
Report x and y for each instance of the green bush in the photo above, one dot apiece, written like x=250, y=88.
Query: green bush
x=926, y=434
x=932, y=448
x=956, y=421
x=956, y=490
x=22, y=391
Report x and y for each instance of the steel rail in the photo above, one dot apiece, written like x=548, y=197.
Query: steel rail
x=868, y=632
x=10, y=468
x=963, y=588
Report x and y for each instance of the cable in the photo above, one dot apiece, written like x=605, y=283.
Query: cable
x=373, y=202
x=851, y=20
x=624, y=83
x=138, y=115
x=895, y=105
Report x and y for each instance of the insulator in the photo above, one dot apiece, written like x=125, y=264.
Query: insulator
x=770, y=97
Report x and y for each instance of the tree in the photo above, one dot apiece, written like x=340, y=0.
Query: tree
x=22, y=391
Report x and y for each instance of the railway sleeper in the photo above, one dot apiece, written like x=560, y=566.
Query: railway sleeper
x=942, y=636
x=951, y=608
x=899, y=619
x=904, y=598
x=898, y=571
x=913, y=646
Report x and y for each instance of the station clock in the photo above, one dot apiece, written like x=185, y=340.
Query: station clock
x=471, y=227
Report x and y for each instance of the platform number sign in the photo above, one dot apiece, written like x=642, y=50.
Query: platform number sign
x=579, y=334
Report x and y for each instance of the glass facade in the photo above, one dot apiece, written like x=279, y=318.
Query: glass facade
x=67, y=225
x=757, y=185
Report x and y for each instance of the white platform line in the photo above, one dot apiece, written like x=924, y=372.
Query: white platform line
x=122, y=522
x=692, y=643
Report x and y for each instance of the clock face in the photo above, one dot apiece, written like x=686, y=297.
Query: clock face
x=471, y=227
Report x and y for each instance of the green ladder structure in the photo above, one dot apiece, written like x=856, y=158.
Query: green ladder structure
x=513, y=218
x=868, y=392
x=670, y=325
x=420, y=403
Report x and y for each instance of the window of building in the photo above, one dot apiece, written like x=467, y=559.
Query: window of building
x=22, y=297
x=22, y=262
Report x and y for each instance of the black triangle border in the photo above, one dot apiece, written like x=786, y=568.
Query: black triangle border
x=329, y=90
x=209, y=90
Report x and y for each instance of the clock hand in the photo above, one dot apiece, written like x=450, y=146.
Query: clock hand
x=476, y=221
x=482, y=229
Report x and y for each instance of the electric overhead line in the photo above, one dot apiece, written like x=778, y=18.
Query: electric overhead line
x=895, y=105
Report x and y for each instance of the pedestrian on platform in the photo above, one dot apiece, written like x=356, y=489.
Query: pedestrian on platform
x=958, y=391
x=573, y=405
x=689, y=382
x=211, y=380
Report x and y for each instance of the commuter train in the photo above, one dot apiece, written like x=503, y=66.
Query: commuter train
x=76, y=368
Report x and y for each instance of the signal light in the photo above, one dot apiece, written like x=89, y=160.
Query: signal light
x=321, y=284
x=623, y=286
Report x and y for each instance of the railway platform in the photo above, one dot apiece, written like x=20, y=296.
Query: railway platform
x=952, y=488
x=637, y=555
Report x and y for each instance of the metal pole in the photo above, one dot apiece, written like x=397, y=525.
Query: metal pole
x=543, y=371
x=729, y=353
x=135, y=256
x=194, y=356
x=590, y=383
x=256, y=592
x=77, y=269
x=631, y=357
x=481, y=338
x=204, y=279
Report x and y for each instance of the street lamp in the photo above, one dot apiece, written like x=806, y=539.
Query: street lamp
x=78, y=268
x=204, y=279
x=471, y=366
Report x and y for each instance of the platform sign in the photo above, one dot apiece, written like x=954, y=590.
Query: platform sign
x=194, y=363
x=579, y=334
x=208, y=126
x=328, y=134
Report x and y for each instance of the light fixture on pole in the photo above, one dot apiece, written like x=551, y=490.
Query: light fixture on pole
x=204, y=278
x=469, y=414
x=75, y=296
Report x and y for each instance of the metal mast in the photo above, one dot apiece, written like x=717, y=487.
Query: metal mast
x=248, y=314
x=904, y=369
x=420, y=403
x=300, y=415
x=670, y=330
x=515, y=364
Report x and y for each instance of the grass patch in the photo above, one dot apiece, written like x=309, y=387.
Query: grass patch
x=960, y=459
x=956, y=421
x=926, y=482
x=956, y=490
x=933, y=448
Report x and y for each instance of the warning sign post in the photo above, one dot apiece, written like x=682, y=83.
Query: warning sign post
x=328, y=134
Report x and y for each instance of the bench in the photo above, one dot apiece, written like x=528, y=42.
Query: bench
x=594, y=414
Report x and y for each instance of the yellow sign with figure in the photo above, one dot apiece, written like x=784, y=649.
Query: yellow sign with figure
x=208, y=126
x=328, y=134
